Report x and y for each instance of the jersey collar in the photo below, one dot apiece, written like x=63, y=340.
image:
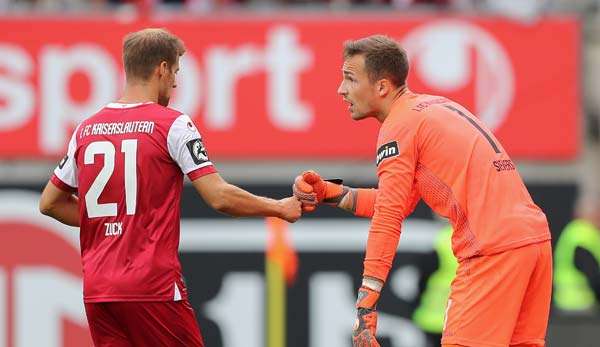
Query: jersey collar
x=120, y=105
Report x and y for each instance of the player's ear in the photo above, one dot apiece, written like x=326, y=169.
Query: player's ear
x=384, y=86
x=163, y=69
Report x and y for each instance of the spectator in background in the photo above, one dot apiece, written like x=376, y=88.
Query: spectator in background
x=408, y=3
x=51, y=5
x=577, y=260
x=404, y=4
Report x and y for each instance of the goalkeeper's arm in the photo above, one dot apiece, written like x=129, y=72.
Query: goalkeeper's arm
x=359, y=201
x=312, y=190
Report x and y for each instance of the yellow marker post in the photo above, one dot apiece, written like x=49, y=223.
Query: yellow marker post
x=281, y=264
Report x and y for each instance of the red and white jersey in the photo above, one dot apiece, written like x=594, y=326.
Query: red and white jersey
x=127, y=163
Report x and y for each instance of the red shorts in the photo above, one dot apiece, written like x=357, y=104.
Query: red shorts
x=130, y=324
x=501, y=300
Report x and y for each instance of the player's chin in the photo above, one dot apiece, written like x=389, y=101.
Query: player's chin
x=357, y=115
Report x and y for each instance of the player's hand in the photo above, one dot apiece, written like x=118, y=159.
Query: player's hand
x=312, y=190
x=305, y=193
x=363, y=334
x=365, y=326
x=290, y=209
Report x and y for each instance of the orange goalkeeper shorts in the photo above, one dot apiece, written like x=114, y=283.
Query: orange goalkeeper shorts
x=502, y=299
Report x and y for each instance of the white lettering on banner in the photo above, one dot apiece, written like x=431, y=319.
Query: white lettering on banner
x=404, y=281
x=490, y=67
x=43, y=297
x=238, y=309
x=282, y=59
x=3, y=310
x=331, y=307
x=15, y=91
x=285, y=60
x=187, y=97
x=58, y=111
x=400, y=331
x=224, y=68
x=332, y=315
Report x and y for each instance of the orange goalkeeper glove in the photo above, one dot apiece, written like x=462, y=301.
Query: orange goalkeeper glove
x=312, y=190
x=363, y=333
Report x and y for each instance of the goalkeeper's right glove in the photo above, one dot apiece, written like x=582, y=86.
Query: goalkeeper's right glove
x=365, y=326
x=312, y=190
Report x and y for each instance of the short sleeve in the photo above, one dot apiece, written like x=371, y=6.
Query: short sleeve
x=65, y=174
x=187, y=150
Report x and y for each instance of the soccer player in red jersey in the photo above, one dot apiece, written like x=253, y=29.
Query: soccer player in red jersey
x=126, y=164
x=432, y=148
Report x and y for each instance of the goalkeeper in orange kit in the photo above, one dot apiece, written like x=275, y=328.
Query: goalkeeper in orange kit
x=432, y=148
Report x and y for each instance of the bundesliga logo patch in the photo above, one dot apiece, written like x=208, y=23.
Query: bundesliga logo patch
x=63, y=162
x=387, y=150
x=197, y=151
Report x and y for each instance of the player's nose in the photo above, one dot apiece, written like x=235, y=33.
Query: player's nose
x=341, y=90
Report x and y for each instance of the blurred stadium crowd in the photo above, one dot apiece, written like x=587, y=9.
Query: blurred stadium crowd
x=519, y=8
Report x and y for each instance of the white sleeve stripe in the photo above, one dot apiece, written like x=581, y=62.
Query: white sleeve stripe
x=208, y=163
x=171, y=144
x=185, y=145
x=67, y=171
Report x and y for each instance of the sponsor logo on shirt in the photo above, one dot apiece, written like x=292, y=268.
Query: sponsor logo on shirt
x=63, y=161
x=387, y=150
x=197, y=151
x=504, y=165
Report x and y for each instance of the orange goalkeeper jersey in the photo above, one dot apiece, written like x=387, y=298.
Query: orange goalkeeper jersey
x=432, y=148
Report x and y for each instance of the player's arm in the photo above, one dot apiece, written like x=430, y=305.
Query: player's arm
x=58, y=200
x=60, y=204
x=187, y=150
x=396, y=165
x=312, y=190
x=234, y=201
x=394, y=202
x=359, y=201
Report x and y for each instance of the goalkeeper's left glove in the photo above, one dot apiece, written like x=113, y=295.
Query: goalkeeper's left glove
x=363, y=333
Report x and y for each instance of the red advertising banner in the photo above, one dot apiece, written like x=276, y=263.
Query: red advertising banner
x=41, y=298
x=266, y=87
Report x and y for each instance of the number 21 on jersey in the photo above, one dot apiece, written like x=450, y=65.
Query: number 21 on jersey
x=107, y=149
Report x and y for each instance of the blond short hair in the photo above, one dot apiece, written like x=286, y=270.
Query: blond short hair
x=146, y=49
